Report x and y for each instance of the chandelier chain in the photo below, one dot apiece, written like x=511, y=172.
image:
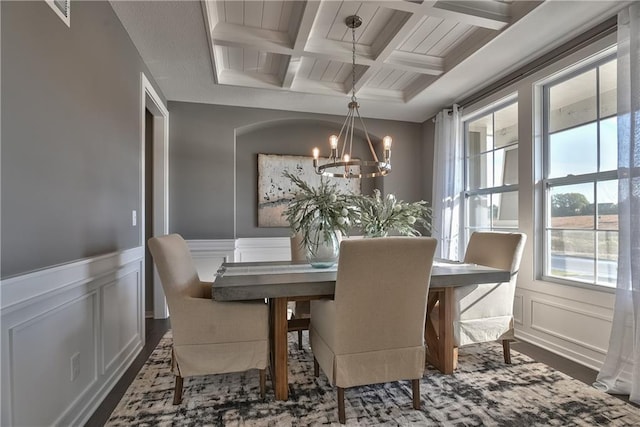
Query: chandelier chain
x=353, y=68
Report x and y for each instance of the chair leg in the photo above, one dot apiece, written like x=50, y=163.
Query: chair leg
x=415, y=386
x=263, y=382
x=299, y=340
x=506, y=349
x=341, y=417
x=316, y=368
x=177, y=392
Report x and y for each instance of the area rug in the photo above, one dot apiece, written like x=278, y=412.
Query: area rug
x=483, y=391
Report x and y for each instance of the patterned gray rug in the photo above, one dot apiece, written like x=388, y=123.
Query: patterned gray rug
x=483, y=391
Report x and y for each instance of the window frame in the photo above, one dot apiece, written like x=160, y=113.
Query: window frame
x=589, y=178
x=492, y=108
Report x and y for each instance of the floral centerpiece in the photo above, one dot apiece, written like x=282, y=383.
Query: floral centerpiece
x=377, y=215
x=319, y=213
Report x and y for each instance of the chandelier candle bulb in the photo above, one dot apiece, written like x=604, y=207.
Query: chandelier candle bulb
x=386, y=141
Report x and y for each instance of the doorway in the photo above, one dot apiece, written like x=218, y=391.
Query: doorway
x=154, y=180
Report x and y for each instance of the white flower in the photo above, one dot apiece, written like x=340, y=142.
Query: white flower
x=333, y=198
x=411, y=219
x=397, y=208
x=344, y=212
x=391, y=197
x=341, y=220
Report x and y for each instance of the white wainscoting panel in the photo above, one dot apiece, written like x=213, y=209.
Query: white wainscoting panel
x=263, y=249
x=120, y=321
x=560, y=321
x=517, y=309
x=571, y=321
x=208, y=255
x=69, y=332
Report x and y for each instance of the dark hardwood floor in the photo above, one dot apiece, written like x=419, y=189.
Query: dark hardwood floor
x=157, y=328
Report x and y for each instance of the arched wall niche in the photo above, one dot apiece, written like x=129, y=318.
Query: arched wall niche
x=295, y=137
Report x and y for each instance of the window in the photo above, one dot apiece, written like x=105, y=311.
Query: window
x=580, y=171
x=491, y=170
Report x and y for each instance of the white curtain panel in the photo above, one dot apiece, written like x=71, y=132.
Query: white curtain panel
x=620, y=373
x=447, y=183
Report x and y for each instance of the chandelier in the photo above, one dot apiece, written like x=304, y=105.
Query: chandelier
x=344, y=165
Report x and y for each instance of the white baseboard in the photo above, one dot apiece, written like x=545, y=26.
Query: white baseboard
x=562, y=351
x=69, y=333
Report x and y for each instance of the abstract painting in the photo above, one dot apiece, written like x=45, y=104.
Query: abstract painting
x=275, y=191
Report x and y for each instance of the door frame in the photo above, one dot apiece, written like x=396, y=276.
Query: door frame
x=150, y=100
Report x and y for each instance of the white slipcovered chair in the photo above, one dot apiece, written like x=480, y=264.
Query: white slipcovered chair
x=373, y=330
x=484, y=312
x=209, y=337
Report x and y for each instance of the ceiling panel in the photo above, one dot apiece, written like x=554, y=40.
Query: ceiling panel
x=253, y=11
x=318, y=69
x=271, y=12
x=435, y=36
x=409, y=53
x=379, y=77
x=449, y=41
x=426, y=26
x=405, y=81
x=235, y=58
x=234, y=12
x=337, y=72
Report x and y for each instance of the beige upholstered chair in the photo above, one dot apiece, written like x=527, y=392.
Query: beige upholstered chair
x=373, y=331
x=485, y=312
x=209, y=337
x=300, y=309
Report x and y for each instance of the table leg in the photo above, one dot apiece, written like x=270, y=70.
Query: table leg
x=441, y=351
x=447, y=352
x=279, y=347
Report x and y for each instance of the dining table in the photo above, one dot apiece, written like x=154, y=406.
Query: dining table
x=282, y=281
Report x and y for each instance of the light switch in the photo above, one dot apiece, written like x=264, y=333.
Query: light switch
x=134, y=218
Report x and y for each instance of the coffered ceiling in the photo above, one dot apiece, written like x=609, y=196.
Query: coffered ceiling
x=413, y=57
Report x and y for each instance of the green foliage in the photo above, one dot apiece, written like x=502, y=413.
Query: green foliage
x=377, y=216
x=329, y=210
x=568, y=204
x=323, y=207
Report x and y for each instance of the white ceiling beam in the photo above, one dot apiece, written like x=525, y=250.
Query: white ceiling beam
x=480, y=13
x=319, y=87
x=247, y=78
x=485, y=14
x=418, y=63
x=226, y=34
x=210, y=14
x=304, y=30
x=340, y=50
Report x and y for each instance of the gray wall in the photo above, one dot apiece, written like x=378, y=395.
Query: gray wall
x=209, y=143
x=70, y=135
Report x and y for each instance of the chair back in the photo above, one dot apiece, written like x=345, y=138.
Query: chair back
x=496, y=249
x=177, y=271
x=381, y=292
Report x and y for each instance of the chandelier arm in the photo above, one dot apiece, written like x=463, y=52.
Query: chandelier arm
x=353, y=122
x=373, y=152
x=344, y=126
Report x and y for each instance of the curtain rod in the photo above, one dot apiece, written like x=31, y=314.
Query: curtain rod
x=596, y=33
